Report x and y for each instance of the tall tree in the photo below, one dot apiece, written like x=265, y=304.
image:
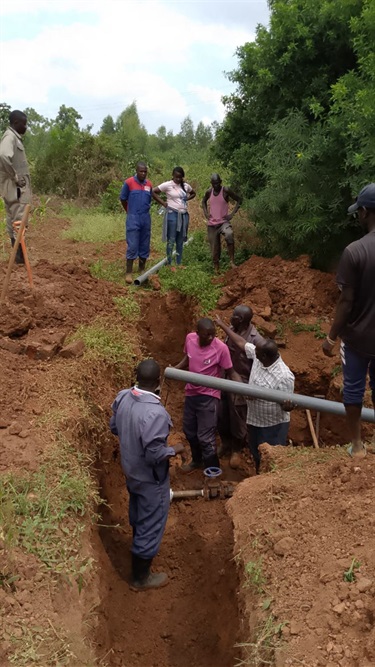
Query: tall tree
x=108, y=125
x=68, y=117
x=5, y=110
x=187, y=134
x=299, y=132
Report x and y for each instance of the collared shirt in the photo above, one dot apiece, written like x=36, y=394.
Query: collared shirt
x=137, y=195
x=277, y=376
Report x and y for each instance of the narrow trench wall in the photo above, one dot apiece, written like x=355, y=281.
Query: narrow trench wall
x=193, y=622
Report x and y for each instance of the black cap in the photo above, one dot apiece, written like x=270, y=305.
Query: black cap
x=366, y=198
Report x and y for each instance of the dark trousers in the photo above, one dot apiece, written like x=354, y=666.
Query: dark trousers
x=199, y=425
x=274, y=435
x=148, y=513
x=232, y=422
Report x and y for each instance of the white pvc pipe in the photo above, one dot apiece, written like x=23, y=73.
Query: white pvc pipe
x=154, y=269
x=306, y=402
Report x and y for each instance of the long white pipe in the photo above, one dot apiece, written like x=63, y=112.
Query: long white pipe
x=306, y=402
x=154, y=269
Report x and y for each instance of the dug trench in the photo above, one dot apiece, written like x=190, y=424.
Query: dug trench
x=195, y=619
x=201, y=615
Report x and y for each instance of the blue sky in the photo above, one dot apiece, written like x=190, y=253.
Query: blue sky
x=101, y=55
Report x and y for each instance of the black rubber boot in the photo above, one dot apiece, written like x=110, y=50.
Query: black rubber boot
x=142, y=578
x=212, y=461
x=129, y=270
x=19, y=255
x=142, y=264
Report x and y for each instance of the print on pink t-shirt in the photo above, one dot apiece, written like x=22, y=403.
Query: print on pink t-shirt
x=209, y=360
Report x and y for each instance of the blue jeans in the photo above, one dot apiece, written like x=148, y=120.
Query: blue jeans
x=174, y=237
x=355, y=369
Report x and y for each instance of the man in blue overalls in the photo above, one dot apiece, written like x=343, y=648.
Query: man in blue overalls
x=142, y=425
x=136, y=195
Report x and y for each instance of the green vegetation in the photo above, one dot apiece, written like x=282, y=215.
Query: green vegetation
x=38, y=510
x=127, y=306
x=106, y=341
x=254, y=577
x=349, y=575
x=299, y=131
x=336, y=370
x=114, y=271
x=193, y=282
x=298, y=327
x=92, y=225
x=260, y=651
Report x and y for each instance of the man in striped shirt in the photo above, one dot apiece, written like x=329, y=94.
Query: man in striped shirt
x=267, y=421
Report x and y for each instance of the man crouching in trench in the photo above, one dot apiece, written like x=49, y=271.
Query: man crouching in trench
x=142, y=424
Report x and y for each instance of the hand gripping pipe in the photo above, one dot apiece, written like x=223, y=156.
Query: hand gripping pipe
x=154, y=269
x=307, y=402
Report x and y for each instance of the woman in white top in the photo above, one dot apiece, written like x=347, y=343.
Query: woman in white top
x=176, y=219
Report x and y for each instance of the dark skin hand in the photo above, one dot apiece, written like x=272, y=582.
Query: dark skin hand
x=343, y=310
x=286, y=405
x=227, y=194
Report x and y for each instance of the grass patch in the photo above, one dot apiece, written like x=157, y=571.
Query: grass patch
x=260, y=652
x=193, y=282
x=316, y=329
x=38, y=511
x=254, y=577
x=92, y=225
x=196, y=279
x=127, y=306
x=114, y=272
x=106, y=341
x=41, y=646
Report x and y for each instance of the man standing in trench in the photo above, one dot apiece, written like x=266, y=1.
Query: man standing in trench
x=208, y=355
x=15, y=187
x=267, y=421
x=142, y=425
x=219, y=218
x=354, y=320
x=233, y=407
x=136, y=196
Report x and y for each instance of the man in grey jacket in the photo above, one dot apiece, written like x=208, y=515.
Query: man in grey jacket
x=142, y=425
x=15, y=187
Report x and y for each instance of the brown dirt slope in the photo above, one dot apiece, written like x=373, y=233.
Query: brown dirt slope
x=304, y=524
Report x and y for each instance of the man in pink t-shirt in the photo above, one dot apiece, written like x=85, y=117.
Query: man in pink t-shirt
x=208, y=355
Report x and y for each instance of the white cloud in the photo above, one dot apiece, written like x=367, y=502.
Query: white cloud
x=129, y=51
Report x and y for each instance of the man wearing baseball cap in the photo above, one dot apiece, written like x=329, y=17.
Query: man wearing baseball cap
x=354, y=320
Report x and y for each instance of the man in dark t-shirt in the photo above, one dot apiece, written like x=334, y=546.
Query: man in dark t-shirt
x=232, y=425
x=354, y=320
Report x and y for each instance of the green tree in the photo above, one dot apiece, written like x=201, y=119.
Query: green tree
x=108, y=125
x=299, y=132
x=203, y=135
x=67, y=117
x=5, y=110
x=131, y=134
x=187, y=134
